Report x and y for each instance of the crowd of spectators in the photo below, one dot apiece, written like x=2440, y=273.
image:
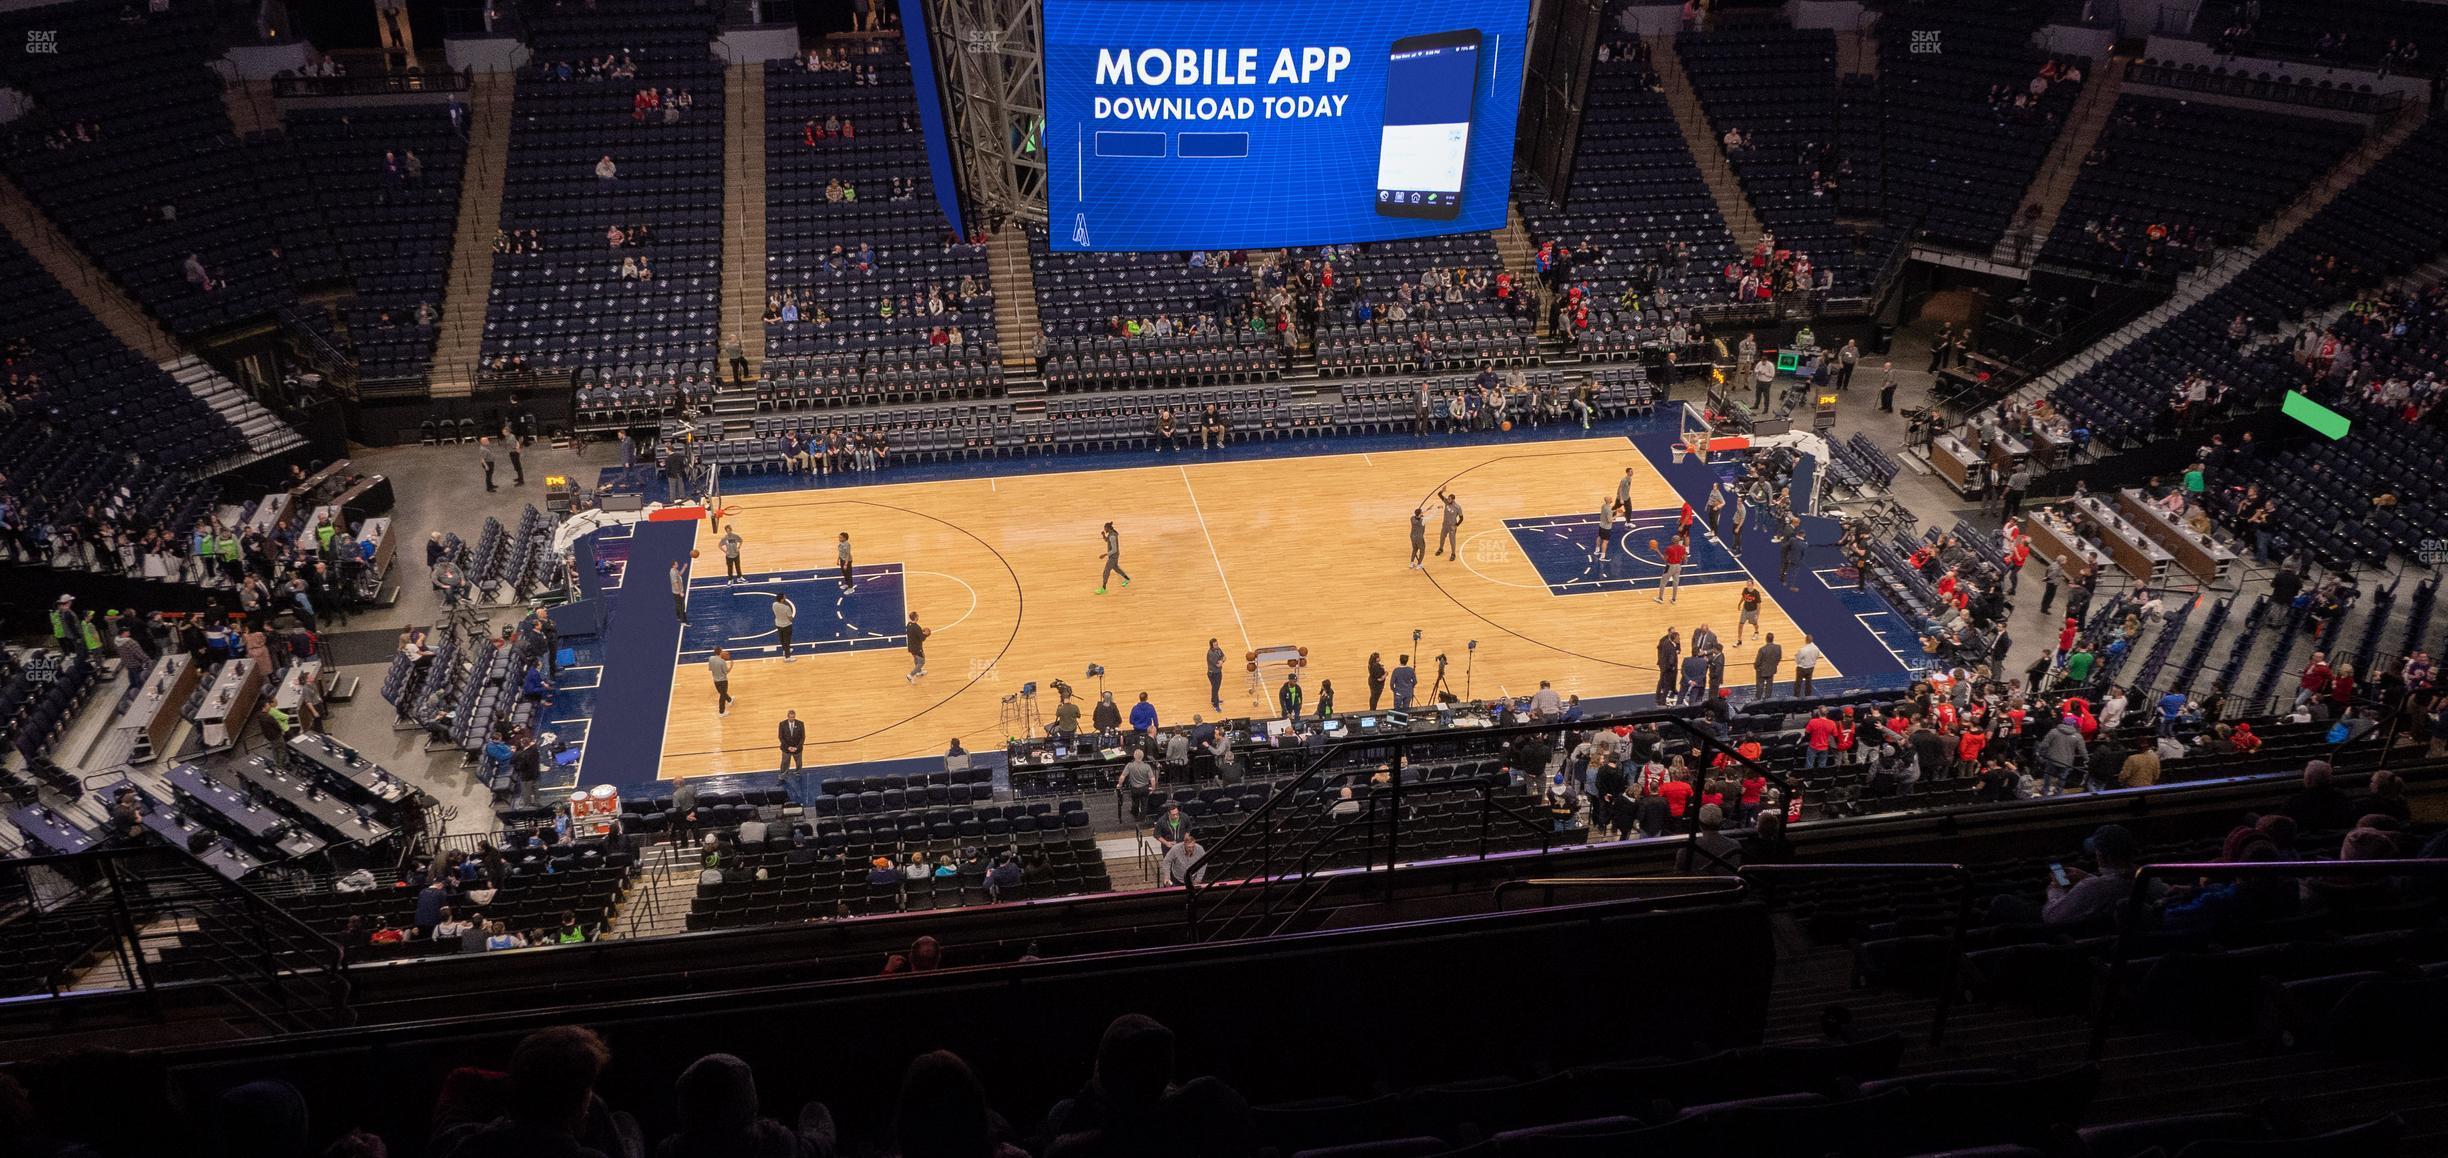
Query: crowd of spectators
x=549, y=1099
x=1494, y=401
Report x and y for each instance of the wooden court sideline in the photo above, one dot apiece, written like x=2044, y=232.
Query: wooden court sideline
x=1307, y=551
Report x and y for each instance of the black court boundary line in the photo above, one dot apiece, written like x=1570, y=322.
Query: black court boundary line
x=1019, y=613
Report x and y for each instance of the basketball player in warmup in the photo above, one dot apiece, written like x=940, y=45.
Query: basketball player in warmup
x=1447, y=524
x=841, y=555
x=679, y=586
x=1419, y=537
x=1607, y=520
x=1748, y=609
x=917, y=649
x=1113, y=560
x=785, y=614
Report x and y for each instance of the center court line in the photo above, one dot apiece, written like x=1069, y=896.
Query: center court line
x=1246, y=645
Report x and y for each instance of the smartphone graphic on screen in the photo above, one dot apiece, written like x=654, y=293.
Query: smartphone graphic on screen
x=1432, y=91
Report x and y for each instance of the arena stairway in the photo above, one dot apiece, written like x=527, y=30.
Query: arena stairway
x=1724, y=188
x=1521, y=257
x=93, y=289
x=2055, y=178
x=251, y=107
x=743, y=282
x=469, y=286
x=657, y=902
x=266, y=434
x=1015, y=293
x=2208, y=279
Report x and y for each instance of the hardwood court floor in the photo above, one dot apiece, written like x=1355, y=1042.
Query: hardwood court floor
x=1305, y=551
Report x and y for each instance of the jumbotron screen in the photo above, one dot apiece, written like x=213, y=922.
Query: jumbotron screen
x=1234, y=124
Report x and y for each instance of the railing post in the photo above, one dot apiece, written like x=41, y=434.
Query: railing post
x=1487, y=806
x=123, y=923
x=1393, y=827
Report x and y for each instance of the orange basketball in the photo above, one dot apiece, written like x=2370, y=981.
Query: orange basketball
x=1507, y=424
x=1653, y=544
x=693, y=554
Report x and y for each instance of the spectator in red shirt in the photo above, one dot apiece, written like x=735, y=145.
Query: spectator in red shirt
x=2315, y=681
x=2342, y=687
x=1754, y=786
x=1670, y=586
x=1677, y=791
x=2065, y=637
x=1968, y=749
x=1820, y=735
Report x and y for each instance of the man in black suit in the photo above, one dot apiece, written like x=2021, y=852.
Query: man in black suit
x=793, y=736
x=2284, y=587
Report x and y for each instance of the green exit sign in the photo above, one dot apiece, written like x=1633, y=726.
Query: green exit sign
x=2315, y=415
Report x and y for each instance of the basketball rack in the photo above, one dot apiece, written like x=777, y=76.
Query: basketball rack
x=1283, y=658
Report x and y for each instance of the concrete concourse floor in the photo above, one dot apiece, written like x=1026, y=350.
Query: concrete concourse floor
x=438, y=488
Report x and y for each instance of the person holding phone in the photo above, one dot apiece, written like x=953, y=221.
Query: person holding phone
x=2076, y=897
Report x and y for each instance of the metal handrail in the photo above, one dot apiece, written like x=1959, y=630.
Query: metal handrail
x=2129, y=913
x=1210, y=864
x=372, y=84
x=1275, y=804
x=1329, y=839
x=116, y=875
x=1720, y=885
x=1219, y=864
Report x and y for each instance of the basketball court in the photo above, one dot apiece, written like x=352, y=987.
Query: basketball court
x=1258, y=553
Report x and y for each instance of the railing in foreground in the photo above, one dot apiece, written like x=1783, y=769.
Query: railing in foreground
x=1263, y=869
x=372, y=84
x=139, y=919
